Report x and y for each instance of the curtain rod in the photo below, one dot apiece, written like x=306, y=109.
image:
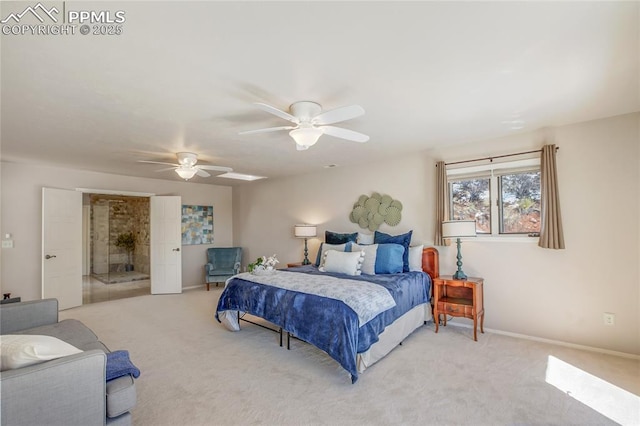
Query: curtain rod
x=495, y=156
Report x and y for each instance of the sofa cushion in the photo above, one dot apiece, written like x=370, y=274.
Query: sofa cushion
x=71, y=331
x=121, y=420
x=121, y=395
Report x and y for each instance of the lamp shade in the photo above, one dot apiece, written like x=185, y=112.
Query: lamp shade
x=186, y=173
x=306, y=136
x=304, y=231
x=458, y=228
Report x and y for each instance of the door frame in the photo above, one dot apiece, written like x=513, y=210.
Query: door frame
x=87, y=225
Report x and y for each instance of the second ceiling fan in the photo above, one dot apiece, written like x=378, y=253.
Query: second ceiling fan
x=187, y=167
x=310, y=122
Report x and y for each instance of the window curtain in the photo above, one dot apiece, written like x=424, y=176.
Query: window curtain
x=441, y=202
x=551, y=235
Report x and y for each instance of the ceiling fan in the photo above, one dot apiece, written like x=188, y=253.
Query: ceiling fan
x=187, y=168
x=310, y=122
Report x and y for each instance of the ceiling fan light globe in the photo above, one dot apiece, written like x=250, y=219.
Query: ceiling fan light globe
x=306, y=136
x=186, y=173
x=188, y=159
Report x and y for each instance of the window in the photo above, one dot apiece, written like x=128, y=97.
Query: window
x=519, y=202
x=503, y=199
x=471, y=200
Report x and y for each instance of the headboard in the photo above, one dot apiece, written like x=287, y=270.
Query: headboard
x=431, y=261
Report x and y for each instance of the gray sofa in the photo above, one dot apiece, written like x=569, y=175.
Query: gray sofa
x=66, y=391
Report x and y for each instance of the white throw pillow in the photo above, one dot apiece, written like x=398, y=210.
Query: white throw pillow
x=369, y=262
x=348, y=263
x=325, y=248
x=364, y=238
x=21, y=350
x=415, y=258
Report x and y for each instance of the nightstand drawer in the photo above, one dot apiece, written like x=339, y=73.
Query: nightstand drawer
x=455, y=309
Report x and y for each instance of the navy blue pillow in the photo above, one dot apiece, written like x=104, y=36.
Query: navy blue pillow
x=404, y=240
x=389, y=259
x=337, y=238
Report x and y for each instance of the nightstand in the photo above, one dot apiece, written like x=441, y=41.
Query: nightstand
x=293, y=265
x=459, y=298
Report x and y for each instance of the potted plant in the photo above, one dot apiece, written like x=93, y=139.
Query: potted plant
x=264, y=265
x=127, y=241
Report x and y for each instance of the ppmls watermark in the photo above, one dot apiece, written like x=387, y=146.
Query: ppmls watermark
x=57, y=20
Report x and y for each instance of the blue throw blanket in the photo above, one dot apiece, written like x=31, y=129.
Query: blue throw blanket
x=119, y=364
x=326, y=323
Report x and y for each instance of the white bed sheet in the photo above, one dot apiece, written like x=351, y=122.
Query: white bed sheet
x=393, y=335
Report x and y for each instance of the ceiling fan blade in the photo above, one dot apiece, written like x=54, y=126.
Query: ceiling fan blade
x=339, y=132
x=166, y=170
x=277, y=112
x=338, y=114
x=158, y=162
x=216, y=168
x=201, y=172
x=268, y=129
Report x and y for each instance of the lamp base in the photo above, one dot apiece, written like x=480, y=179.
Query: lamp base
x=306, y=254
x=459, y=275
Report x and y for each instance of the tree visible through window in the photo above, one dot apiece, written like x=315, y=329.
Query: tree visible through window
x=520, y=203
x=515, y=195
x=470, y=200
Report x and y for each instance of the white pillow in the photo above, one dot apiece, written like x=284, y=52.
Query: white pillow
x=370, y=254
x=415, y=258
x=326, y=247
x=21, y=350
x=341, y=262
x=364, y=238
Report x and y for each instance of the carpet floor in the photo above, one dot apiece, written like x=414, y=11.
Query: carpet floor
x=195, y=372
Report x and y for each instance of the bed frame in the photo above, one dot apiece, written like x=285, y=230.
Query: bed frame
x=431, y=262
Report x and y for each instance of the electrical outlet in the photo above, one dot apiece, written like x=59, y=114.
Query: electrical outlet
x=7, y=243
x=609, y=318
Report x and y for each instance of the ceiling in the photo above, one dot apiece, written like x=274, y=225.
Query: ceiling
x=183, y=76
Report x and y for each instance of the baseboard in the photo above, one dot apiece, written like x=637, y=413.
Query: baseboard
x=550, y=341
x=191, y=287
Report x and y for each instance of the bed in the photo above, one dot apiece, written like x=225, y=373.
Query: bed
x=356, y=327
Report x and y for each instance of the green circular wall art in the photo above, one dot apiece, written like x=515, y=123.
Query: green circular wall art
x=371, y=212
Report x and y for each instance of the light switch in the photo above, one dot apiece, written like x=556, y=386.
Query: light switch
x=7, y=243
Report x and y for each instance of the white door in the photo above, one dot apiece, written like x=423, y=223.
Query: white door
x=166, y=241
x=62, y=246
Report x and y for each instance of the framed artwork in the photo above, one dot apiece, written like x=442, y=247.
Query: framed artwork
x=197, y=225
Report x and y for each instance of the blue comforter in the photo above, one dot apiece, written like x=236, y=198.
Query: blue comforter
x=328, y=324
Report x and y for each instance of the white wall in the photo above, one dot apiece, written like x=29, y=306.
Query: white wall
x=21, y=217
x=265, y=213
x=551, y=294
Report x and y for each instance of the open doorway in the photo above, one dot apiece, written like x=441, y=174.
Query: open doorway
x=116, y=252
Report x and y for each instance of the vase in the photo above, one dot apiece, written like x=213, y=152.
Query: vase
x=261, y=270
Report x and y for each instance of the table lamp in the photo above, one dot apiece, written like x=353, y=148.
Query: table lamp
x=459, y=229
x=305, y=231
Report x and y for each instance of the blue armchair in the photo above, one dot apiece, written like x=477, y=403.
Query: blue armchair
x=223, y=263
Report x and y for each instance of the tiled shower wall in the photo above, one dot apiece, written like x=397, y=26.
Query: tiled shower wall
x=110, y=217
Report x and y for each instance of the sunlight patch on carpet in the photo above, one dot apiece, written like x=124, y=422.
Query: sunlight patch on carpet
x=609, y=400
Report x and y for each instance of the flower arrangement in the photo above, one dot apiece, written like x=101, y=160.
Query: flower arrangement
x=263, y=264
